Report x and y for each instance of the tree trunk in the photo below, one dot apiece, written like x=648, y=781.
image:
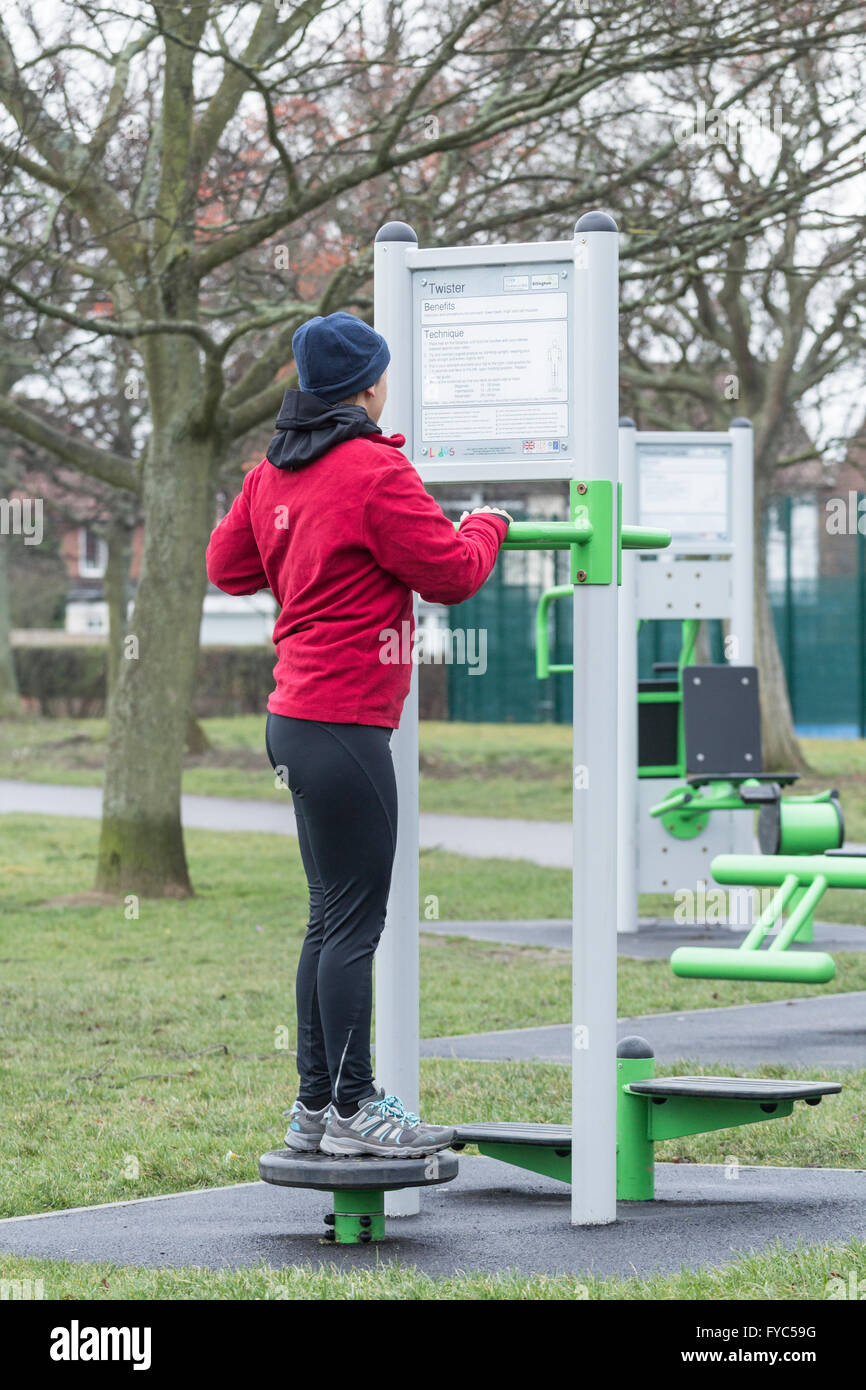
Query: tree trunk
x=116, y=585
x=197, y=741
x=781, y=751
x=10, y=703
x=703, y=651
x=141, y=847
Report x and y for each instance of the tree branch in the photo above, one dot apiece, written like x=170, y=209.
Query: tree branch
x=103, y=464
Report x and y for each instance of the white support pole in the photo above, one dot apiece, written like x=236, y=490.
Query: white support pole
x=742, y=838
x=743, y=535
x=595, y=364
x=627, y=808
x=397, y=1010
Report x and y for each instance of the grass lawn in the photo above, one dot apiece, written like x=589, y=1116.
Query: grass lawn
x=154, y=1055
x=521, y=770
x=803, y=1273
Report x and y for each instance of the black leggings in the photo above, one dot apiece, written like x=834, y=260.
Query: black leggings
x=345, y=798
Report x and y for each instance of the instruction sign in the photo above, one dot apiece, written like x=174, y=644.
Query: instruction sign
x=686, y=488
x=492, y=355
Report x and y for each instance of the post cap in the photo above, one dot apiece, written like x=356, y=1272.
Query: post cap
x=741, y=423
x=396, y=231
x=627, y=423
x=595, y=222
x=634, y=1047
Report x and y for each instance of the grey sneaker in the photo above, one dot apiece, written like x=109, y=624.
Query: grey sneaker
x=383, y=1128
x=306, y=1127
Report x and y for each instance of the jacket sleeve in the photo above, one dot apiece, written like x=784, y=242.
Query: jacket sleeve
x=410, y=536
x=233, y=560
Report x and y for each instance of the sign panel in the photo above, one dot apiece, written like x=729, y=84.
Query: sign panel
x=686, y=487
x=492, y=355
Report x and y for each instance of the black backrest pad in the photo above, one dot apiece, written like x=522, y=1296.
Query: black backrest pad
x=657, y=728
x=722, y=720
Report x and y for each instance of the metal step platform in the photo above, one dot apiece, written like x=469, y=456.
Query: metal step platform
x=358, y=1185
x=735, y=1088
x=513, y=1132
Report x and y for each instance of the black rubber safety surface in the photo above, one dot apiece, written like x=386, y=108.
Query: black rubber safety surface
x=734, y=1088
x=493, y=1217
x=328, y=1173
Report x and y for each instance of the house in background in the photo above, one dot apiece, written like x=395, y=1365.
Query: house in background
x=227, y=620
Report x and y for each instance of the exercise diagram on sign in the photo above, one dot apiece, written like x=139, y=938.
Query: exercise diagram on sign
x=494, y=367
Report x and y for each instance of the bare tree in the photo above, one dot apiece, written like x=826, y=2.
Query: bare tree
x=766, y=327
x=181, y=160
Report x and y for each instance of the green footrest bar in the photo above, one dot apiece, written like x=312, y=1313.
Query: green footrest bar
x=732, y=963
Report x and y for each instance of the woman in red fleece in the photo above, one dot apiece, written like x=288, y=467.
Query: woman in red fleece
x=336, y=522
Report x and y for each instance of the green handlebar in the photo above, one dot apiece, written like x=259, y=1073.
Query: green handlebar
x=562, y=535
x=543, y=667
x=645, y=538
x=547, y=535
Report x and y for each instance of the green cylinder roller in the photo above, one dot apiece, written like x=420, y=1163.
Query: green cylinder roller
x=806, y=825
x=710, y=963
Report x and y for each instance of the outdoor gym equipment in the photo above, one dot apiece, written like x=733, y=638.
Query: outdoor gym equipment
x=504, y=366
x=703, y=726
x=801, y=882
x=648, y=1110
x=357, y=1185
x=719, y=742
x=701, y=484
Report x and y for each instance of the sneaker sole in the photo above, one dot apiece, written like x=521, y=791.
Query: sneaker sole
x=359, y=1148
x=300, y=1143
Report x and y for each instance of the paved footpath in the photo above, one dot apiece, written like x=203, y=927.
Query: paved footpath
x=479, y=837
x=541, y=842
x=825, y=1031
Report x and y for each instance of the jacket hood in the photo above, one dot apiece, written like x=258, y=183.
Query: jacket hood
x=308, y=427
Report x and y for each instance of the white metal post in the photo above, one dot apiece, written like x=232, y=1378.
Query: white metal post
x=596, y=354
x=743, y=838
x=742, y=532
x=397, y=986
x=627, y=806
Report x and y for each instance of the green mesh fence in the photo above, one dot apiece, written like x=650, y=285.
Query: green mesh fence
x=820, y=624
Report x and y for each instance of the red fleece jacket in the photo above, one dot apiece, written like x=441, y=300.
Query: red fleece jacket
x=341, y=544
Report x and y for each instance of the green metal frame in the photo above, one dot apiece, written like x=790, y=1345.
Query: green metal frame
x=641, y=1122
x=358, y=1217
x=683, y=804
x=589, y=535
x=800, y=883
x=538, y=1158
x=543, y=666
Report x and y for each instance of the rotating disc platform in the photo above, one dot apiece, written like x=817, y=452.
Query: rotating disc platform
x=358, y=1185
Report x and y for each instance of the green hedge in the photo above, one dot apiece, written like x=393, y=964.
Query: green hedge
x=69, y=681
x=66, y=682
x=233, y=680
